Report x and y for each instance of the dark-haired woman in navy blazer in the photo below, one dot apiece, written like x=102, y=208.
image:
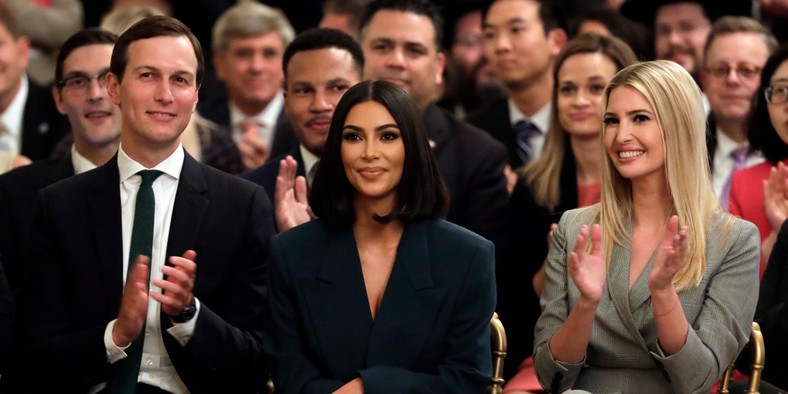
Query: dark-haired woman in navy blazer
x=379, y=295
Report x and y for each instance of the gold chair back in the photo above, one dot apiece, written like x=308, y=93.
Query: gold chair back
x=758, y=350
x=499, y=345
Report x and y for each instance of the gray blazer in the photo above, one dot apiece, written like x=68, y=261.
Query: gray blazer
x=623, y=355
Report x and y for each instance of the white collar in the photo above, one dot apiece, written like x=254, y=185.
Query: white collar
x=541, y=118
x=171, y=166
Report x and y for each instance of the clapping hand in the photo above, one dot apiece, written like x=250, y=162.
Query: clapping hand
x=292, y=206
x=775, y=196
x=671, y=256
x=588, y=270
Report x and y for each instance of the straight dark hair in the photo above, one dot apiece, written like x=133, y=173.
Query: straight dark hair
x=419, y=7
x=151, y=27
x=552, y=14
x=421, y=192
x=82, y=38
x=761, y=132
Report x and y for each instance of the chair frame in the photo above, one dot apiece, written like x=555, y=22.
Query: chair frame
x=758, y=349
x=499, y=347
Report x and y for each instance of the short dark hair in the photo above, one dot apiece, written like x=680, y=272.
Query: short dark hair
x=150, y=27
x=321, y=38
x=82, y=38
x=551, y=13
x=352, y=8
x=761, y=132
x=421, y=192
x=418, y=7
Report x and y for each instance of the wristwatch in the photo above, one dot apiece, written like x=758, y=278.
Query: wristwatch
x=186, y=314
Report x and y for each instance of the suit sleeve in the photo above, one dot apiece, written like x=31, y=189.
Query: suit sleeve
x=467, y=364
x=227, y=340
x=292, y=368
x=723, y=326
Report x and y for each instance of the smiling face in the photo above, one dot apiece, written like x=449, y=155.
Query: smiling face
x=400, y=47
x=373, y=155
x=94, y=120
x=633, y=137
x=680, y=32
x=316, y=80
x=157, y=94
x=581, y=82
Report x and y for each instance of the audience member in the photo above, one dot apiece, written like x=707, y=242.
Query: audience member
x=7, y=321
x=80, y=93
x=606, y=21
x=29, y=122
x=470, y=82
x=248, y=42
x=47, y=24
x=401, y=42
x=380, y=294
x=654, y=289
x=343, y=15
x=320, y=65
x=751, y=195
x=736, y=50
x=191, y=332
x=566, y=176
x=522, y=39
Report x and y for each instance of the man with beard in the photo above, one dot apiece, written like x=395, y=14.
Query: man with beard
x=319, y=66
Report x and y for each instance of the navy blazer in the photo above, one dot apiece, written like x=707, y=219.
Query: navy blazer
x=431, y=333
x=77, y=280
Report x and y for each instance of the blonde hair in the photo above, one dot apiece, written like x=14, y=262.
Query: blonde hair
x=676, y=100
x=122, y=18
x=543, y=175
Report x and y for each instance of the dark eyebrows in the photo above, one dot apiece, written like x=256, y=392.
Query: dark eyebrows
x=79, y=73
x=377, y=129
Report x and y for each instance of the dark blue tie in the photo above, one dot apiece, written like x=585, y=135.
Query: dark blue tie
x=523, y=131
x=124, y=372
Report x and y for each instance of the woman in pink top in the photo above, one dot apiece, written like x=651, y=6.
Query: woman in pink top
x=757, y=193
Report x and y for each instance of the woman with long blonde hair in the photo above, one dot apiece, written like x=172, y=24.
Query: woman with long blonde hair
x=654, y=288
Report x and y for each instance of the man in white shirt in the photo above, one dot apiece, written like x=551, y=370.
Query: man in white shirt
x=248, y=42
x=168, y=328
x=736, y=50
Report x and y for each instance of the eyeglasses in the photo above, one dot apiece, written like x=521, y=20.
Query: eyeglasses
x=79, y=84
x=776, y=94
x=747, y=72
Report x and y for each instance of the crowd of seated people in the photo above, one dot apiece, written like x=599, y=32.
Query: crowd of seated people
x=236, y=196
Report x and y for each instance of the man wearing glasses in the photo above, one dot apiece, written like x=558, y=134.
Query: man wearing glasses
x=736, y=50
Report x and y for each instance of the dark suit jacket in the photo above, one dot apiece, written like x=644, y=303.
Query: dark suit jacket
x=18, y=195
x=42, y=125
x=265, y=176
x=711, y=140
x=471, y=163
x=77, y=278
x=430, y=335
x=529, y=224
x=495, y=121
x=7, y=318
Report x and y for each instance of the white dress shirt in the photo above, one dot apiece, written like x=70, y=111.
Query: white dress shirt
x=81, y=163
x=156, y=368
x=309, y=163
x=267, y=118
x=541, y=119
x=11, y=119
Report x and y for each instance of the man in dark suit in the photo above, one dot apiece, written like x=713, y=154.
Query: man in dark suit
x=81, y=95
x=401, y=42
x=29, y=121
x=319, y=66
x=248, y=41
x=151, y=217
x=523, y=38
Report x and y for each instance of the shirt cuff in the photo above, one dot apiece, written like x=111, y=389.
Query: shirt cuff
x=182, y=332
x=114, y=352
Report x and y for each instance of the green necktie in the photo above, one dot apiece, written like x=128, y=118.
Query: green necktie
x=123, y=378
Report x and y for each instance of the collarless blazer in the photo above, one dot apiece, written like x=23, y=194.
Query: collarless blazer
x=430, y=335
x=77, y=280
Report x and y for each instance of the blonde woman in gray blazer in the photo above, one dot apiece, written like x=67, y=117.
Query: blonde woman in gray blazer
x=652, y=290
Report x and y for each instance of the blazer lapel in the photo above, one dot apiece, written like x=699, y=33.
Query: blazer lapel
x=410, y=303
x=104, y=209
x=189, y=209
x=337, y=305
x=618, y=289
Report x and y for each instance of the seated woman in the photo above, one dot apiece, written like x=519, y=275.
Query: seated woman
x=768, y=132
x=378, y=294
x=634, y=302
x=565, y=176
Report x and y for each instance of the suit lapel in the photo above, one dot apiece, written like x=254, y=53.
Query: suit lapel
x=410, y=303
x=337, y=304
x=61, y=169
x=105, y=215
x=189, y=209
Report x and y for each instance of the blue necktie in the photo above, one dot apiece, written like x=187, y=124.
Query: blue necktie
x=124, y=372
x=523, y=131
